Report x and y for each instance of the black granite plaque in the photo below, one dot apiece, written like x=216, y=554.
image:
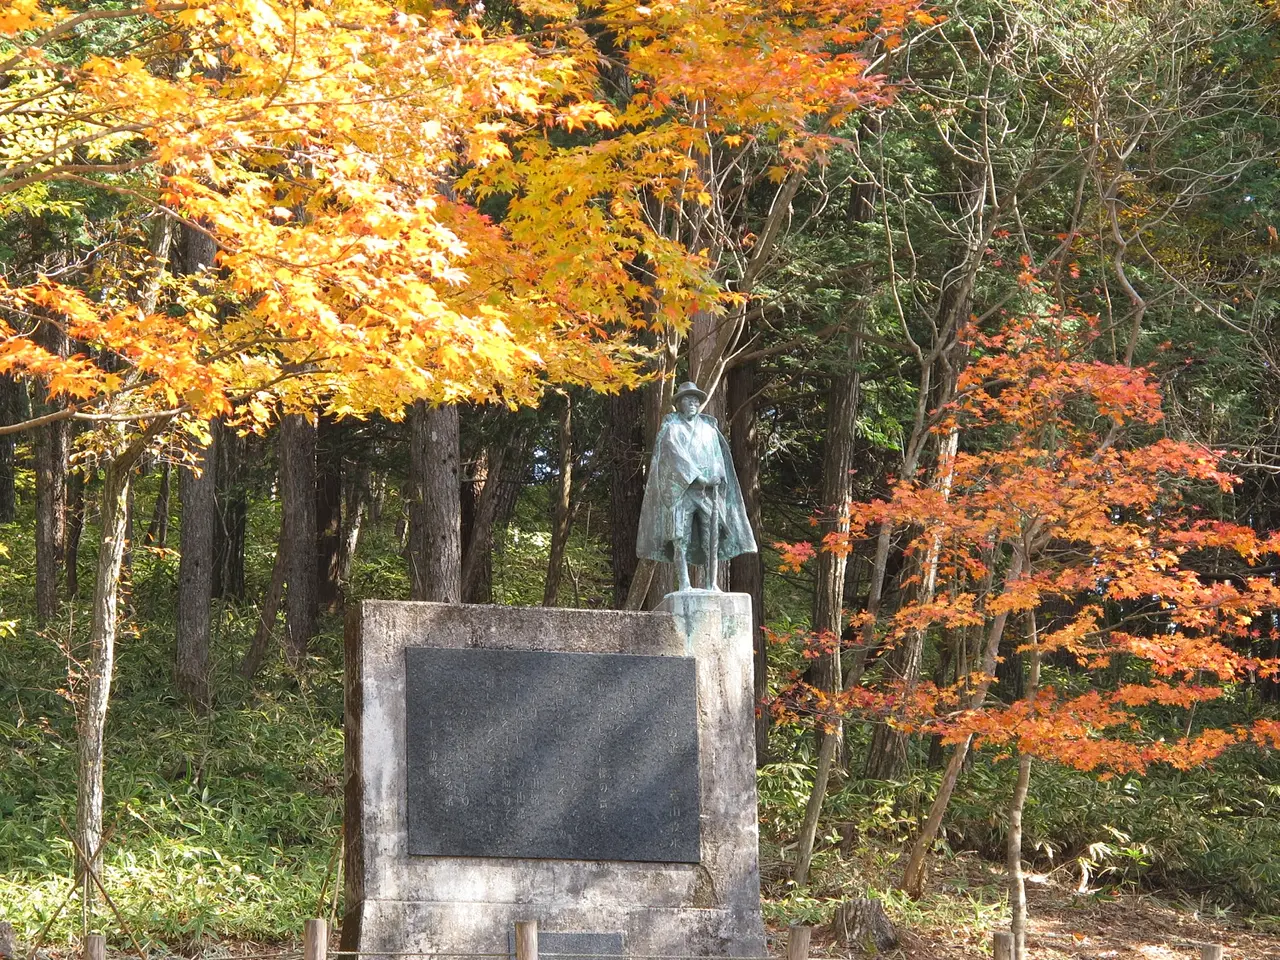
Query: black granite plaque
x=574, y=756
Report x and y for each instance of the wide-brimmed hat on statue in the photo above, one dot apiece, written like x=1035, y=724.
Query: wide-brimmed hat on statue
x=689, y=388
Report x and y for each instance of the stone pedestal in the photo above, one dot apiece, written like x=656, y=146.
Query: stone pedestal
x=716, y=629
x=398, y=902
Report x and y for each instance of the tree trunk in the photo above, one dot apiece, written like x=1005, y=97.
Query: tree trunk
x=159, y=246
x=376, y=492
x=1009, y=686
x=76, y=482
x=508, y=496
x=196, y=488
x=328, y=513
x=627, y=463
x=863, y=925
x=475, y=474
x=837, y=490
x=562, y=514
x=126, y=562
x=268, y=610
x=158, y=529
x=477, y=536
x=51, y=505
x=493, y=509
x=92, y=719
x=948, y=669
x=828, y=593
x=813, y=810
x=707, y=345
x=231, y=519
x=435, y=506
x=10, y=413
x=298, y=529
x=469, y=494
x=887, y=755
x=1017, y=881
x=746, y=571
x=115, y=527
x=913, y=875
x=356, y=493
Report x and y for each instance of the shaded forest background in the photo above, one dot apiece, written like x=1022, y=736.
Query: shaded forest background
x=1111, y=164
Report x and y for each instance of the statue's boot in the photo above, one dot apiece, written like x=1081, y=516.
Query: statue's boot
x=682, y=566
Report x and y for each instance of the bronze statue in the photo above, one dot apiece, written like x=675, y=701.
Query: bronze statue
x=693, y=510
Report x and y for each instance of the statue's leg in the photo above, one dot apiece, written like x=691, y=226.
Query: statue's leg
x=700, y=527
x=682, y=564
x=682, y=527
x=713, y=544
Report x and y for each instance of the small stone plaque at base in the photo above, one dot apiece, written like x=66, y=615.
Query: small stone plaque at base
x=574, y=946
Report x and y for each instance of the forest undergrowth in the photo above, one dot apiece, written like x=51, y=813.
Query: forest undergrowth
x=229, y=826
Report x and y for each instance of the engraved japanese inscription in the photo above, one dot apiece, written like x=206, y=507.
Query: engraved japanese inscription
x=575, y=756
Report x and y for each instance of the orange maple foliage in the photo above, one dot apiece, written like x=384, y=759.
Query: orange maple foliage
x=342, y=154
x=406, y=203
x=1064, y=468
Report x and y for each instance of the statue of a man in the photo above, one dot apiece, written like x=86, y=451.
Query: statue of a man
x=693, y=510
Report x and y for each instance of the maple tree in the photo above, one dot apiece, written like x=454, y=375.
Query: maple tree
x=1067, y=512
x=965, y=164
x=398, y=203
x=335, y=153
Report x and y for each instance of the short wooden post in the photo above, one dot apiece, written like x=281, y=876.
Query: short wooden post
x=95, y=947
x=798, y=941
x=526, y=940
x=1211, y=951
x=1002, y=946
x=315, y=940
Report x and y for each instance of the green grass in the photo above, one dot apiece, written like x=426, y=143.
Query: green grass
x=228, y=826
x=223, y=825
x=220, y=826
x=1209, y=834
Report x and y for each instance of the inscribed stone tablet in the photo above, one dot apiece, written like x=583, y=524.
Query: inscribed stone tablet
x=576, y=756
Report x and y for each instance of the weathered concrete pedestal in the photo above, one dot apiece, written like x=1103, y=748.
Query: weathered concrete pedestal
x=399, y=902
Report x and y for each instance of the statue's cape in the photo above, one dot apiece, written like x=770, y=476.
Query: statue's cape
x=669, y=477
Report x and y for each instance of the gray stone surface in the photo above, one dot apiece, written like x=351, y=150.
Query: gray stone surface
x=530, y=753
x=716, y=629
x=397, y=902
